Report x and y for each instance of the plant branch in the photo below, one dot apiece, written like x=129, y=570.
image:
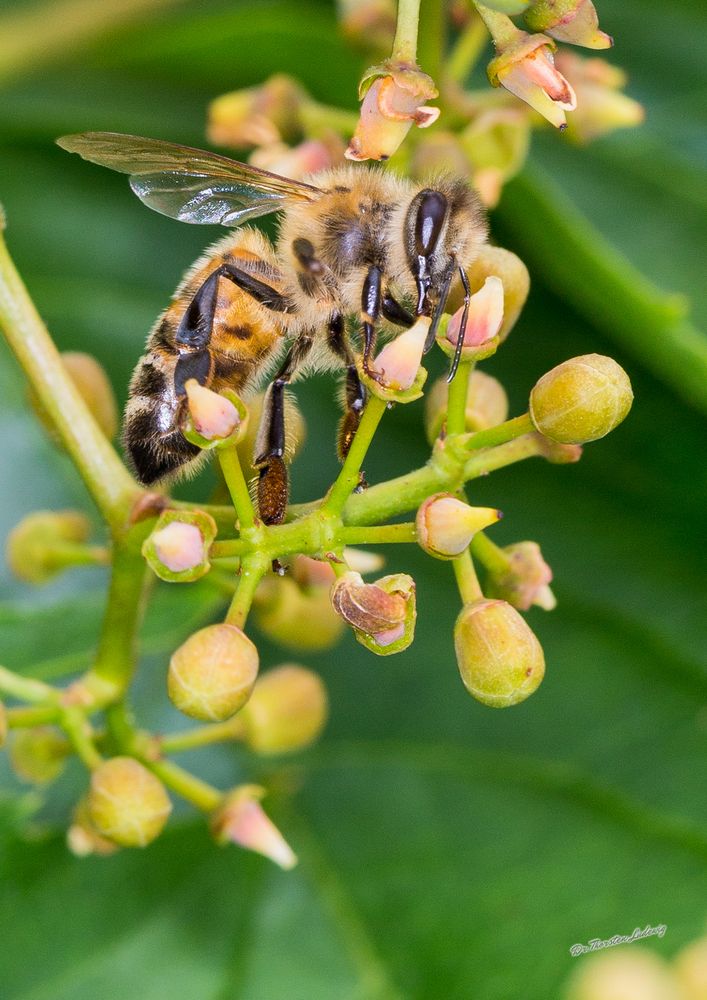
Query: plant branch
x=348, y=478
x=406, y=29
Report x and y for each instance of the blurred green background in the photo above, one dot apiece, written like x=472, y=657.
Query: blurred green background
x=447, y=850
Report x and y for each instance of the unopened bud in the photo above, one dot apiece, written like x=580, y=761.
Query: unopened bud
x=394, y=99
x=178, y=548
x=445, y=525
x=496, y=143
x=127, y=803
x=623, y=975
x=211, y=675
x=690, y=966
x=259, y=115
x=581, y=400
x=38, y=755
x=43, y=543
x=382, y=614
x=397, y=372
x=500, y=659
x=557, y=453
x=573, y=21
x=484, y=318
x=213, y=419
x=242, y=820
x=504, y=264
x=486, y=404
x=82, y=837
x=601, y=105
x=93, y=386
x=299, y=618
x=525, y=580
x=311, y=573
x=437, y=151
x=286, y=712
x=302, y=160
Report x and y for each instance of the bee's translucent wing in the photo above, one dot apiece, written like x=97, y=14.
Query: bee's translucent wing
x=191, y=185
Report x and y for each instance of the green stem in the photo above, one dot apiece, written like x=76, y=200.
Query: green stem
x=405, y=41
x=348, y=478
x=237, y=486
x=466, y=51
x=117, y=649
x=378, y=534
x=502, y=30
x=229, y=547
x=78, y=729
x=104, y=474
x=467, y=580
x=27, y=689
x=192, y=739
x=489, y=554
x=193, y=789
x=506, y=431
x=582, y=267
x=37, y=715
x=456, y=398
x=253, y=568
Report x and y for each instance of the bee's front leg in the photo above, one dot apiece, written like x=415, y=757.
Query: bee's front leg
x=273, y=481
x=354, y=389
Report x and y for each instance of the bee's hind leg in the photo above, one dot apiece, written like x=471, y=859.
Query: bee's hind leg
x=273, y=480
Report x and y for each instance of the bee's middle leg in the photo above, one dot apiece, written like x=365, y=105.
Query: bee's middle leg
x=273, y=480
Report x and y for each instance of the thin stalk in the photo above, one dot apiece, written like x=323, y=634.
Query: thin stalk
x=379, y=534
x=78, y=729
x=252, y=571
x=237, y=486
x=502, y=30
x=229, y=547
x=27, y=689
x=506, y=431
x=202, y=736
x=406, y=29
x=37, y=715
x=193, y=789
x=467, y=580
x=489, y=554
x=456, y=398
x=105, y=476
x=348, y=478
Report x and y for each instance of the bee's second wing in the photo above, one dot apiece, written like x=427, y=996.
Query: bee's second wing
x=191, y=185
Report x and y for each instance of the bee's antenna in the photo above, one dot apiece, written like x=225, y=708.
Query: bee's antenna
x=462, y=328
x=439, y=309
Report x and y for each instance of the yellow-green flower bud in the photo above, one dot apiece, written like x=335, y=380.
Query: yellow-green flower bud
x=581, y=400
x=127, y=803
x=242, y=820
x=38, y=755
x=213, y=419
x=500, y=659
x=286, y=712
x=82, y=837
x=211, y=675
x=3, y=725
x=93, y=386
x=45, y=543
x=486, y=404
x=503, y=264
x=691, y=970
x=445, y=525
x=382, y=614
x=259, y=115
x=296, y=617
x=623, y=975
x=177, y=550
x=483, y=323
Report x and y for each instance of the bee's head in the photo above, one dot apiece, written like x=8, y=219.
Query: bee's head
x=444, y=228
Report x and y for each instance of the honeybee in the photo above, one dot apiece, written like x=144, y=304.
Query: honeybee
x=361, y=245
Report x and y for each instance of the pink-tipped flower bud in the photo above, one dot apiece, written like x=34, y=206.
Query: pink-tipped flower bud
x=93, y=386
x=382, y=614
x=286, y=712
x=484, y=319
x=211, y=675
x=297, y=617
x=581, y=400
x=397, y=372
x=623, y=975
x=573, y=21
x=178, y=548
x=127, y=803
x=509, y=268
x=525, y=579
x=242, y=820
x=446, y=525
x=486, y=404
x=526, y=68
x=500, y=659
x=45, y=543
x=601, y=106
x=690, y=966
x=394, y=99
x=38, y=755
x=213, y=419
x=82, y=837
x=302, y=160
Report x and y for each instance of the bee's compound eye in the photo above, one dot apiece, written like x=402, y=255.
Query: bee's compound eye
x=431, y=213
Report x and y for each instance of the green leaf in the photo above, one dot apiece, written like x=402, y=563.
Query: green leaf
x=446, y=849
